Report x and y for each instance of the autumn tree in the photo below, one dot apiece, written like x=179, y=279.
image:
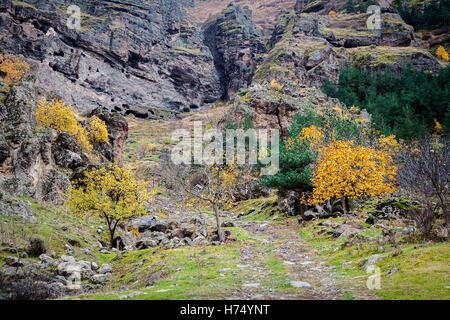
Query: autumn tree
x=98, y=131
x=442, y=53
x=112, y=194
x=348, y=171
x=12, y=68
x=61, y=117
x=209, y=187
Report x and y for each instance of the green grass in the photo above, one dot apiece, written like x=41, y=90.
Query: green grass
x=184, y=273
x=424, y=269
x=56, y=226
x=265, y=208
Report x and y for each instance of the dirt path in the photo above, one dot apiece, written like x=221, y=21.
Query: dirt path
x=310, y=278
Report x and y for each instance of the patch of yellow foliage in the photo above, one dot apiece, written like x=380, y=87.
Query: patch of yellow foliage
x=313, y=134
x=389, y=143
x=347, y=170
x=12, y=68
x=442, y=53
x=110, y=193
x=56, y=115
x=97, y=130
x=275, y=85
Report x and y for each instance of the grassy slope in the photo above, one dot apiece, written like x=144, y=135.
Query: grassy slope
x=424, y=270
x=193, y=272
x=56, y=226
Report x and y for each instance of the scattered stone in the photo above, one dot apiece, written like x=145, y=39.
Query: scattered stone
x=65, y=258
x=68, y=249
x=251, y=285
x=146, y=243
x=300, y=284
x=346, y=230
x=99, y=278
x=228, y=224
x=200, y=240
x=392, y=271
x=45, y=258
x=143, y=223
x=187, y=241
x=13, y=262
x=289, y=262
x=105, y=268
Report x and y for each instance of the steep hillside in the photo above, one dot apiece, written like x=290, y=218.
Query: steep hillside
x=264, y=12
x=126, y=54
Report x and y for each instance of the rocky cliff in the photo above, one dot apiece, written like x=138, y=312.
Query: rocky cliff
x=237, y=45
x=38, y=162
x=152, y=58
x=128, y=56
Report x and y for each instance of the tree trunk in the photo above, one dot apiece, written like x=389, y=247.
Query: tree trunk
x=302, y=205
x=112, y=225
x=111, y=240
x=219, y=229
x=344, y=205
x=348, y=205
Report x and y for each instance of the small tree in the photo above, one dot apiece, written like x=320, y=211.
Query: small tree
x=110, y=193
x=442, y=53
x=12, y=68
x=213, y=187
x=60, y=117
x=347, y=171
x=98, y=131
x=424, y=171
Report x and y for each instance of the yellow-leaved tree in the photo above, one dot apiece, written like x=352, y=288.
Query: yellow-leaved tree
x=12, y=68
x=97, y=130
x=349, y=171
x=442, y=53
x=112, y=194
x=60, y=117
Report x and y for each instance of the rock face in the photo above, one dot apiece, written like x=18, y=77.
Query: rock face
x=275, y=108
x=236, y=44
x=17, y=208
x=138, y=57
x=37, y=162
x=117, y=133
x=308, y=46
x=126, y=55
